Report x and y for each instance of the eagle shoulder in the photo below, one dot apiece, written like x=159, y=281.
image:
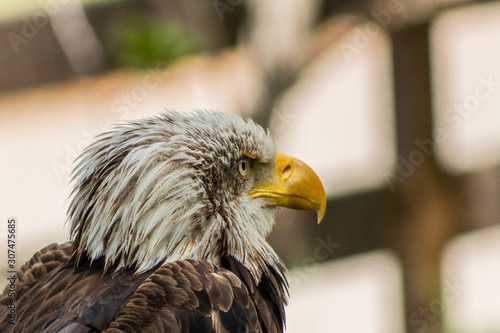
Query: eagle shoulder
x=30, y=274
x=41, y=263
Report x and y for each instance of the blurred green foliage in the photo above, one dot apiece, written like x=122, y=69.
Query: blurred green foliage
x=141, y=41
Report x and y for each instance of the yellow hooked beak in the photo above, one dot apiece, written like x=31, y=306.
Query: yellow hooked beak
x=298, y=187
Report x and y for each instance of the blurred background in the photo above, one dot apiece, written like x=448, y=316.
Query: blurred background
x=395, y=104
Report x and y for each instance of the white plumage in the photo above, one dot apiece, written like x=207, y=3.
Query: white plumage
x=152, y=181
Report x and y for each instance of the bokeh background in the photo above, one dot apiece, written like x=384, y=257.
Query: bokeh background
x=395, y=104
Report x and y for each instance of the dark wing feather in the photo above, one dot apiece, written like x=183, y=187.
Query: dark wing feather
x=268, y=296
x=42, y=263
x=181, y=296
x=188, y=296
x=74, y=300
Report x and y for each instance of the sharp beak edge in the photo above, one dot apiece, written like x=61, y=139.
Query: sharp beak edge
x=298, y=188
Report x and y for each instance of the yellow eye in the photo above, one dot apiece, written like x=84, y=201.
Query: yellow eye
x=244, y=167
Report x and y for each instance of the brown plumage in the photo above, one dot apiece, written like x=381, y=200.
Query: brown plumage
x=169, y=217
x=181, y=296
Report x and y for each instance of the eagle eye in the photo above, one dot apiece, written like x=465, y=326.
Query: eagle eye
x=243, y=167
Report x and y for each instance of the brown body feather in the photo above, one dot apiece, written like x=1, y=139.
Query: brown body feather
x=183, y=296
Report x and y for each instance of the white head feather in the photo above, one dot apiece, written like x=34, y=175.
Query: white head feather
x=166, y=188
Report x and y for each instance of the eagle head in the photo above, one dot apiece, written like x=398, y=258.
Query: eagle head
x=185, y=186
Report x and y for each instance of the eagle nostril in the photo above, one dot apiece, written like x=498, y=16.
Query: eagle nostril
x=287, y=171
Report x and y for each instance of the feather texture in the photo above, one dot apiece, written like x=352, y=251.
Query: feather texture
x=182, y=296
x=168, y=179
x=165, y=236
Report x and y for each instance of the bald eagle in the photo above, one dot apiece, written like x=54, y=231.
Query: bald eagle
x=169, y=217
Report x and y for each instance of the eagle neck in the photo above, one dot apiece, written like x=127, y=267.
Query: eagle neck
x=272, y=288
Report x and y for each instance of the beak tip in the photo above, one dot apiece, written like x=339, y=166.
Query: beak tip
x=322, y=206
x=321, y=213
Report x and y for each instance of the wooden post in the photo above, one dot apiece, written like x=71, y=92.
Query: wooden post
x=422, y=193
